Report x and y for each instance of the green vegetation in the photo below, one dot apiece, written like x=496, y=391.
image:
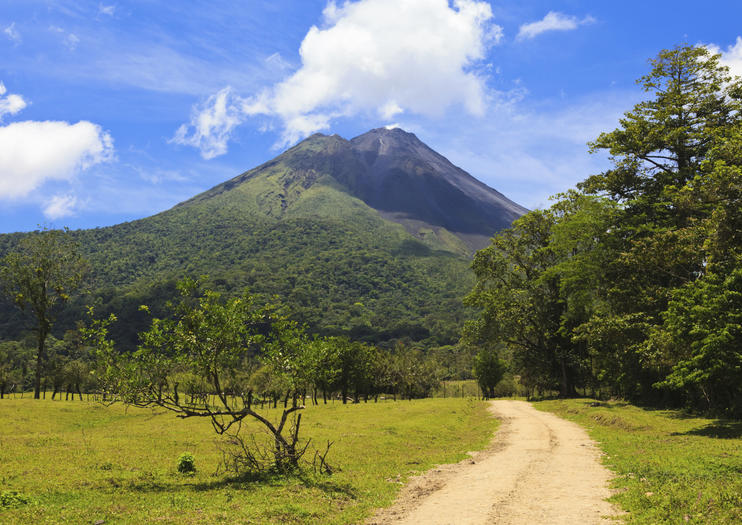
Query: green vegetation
x=671, y=467
x=287, y=229
x=630, y=286
x=186, y=463
x=41, y=273
x=82, y=462
x=489, y=370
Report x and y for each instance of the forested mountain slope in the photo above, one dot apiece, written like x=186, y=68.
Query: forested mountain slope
x=370, y=237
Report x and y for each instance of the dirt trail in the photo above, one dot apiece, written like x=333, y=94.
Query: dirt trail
x=540, y=469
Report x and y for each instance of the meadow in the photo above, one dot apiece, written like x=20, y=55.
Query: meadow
x=670, y=466
x=82, y=462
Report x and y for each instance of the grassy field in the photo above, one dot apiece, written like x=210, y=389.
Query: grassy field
x=670, y=467
x=80, y=462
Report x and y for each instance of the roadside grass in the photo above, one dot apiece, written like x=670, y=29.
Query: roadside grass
x=80, y=462
x=670, y=467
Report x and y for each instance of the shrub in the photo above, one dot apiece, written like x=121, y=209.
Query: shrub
x=186, y=463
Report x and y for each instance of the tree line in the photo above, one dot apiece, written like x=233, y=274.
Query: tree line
x=631, y=284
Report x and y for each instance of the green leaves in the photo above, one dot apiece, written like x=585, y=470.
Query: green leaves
x=43, y=270
x=632, y=284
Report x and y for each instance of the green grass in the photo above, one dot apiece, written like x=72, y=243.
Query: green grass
x=670, y=467
x=80, y=462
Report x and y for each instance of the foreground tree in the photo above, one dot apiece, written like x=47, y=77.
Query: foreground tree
x=633, y=283
x=654, y=244
x=42, y=272
x=198, y=364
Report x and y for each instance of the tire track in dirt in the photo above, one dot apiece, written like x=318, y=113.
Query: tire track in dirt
x=539, y=469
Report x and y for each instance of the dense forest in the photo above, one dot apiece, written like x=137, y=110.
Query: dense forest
x=358, y=276
x=631, y=285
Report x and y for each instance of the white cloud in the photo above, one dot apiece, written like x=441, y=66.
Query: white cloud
x=34, y=152
x=553, y=21
x=13, y=34
x=71, y=41
x=60, y=206
x=106, y=9
x=10, y=104
x=212, y=123
x=732, y=57
x=371, y=57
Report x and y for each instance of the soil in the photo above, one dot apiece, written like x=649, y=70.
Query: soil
x=539, y=469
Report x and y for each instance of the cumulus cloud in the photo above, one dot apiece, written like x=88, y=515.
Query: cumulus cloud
x=553, y=21
x=732, y=57
x=375, y=57
x=10, y=104
x=33, y=152
x=60, y=206
x=13, y=34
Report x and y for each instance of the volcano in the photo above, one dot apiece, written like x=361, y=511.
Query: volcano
x=370, y=237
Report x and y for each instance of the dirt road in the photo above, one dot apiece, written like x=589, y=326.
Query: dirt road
x=540, y=469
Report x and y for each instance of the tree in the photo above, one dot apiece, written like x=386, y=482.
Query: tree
x=217, y=341
x=42, y=272
x=489, y=370
x=13, y=358
x=704, y=321
x=522, y=306
x=655, y=242
x=702, y=331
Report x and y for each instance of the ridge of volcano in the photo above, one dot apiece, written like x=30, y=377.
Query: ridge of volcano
x=389, y=170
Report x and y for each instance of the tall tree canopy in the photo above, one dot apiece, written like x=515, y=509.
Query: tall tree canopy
x=40, y=274
x=629, y=283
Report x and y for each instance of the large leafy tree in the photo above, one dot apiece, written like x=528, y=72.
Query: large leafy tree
x=654, y=244
x=197, y=363
x=42, y=272
x=702, y=331
x=631, y=282
x=521, y=303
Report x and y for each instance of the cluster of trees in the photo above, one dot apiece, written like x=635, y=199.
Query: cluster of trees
x=226, y=358
x=46, y=267
x=631, y=285
x=65, y=369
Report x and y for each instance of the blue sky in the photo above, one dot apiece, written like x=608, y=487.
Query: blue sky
x=115, y=110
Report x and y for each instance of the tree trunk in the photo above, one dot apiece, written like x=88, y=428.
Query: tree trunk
x=40, y=358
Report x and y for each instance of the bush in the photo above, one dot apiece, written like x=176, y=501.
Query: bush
x=186, y=463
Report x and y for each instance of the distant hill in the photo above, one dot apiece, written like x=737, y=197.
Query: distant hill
x=369, y=237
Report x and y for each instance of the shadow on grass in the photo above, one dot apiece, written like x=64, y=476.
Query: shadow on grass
x=308, y=480
x=721, y=429
x=248, y=481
